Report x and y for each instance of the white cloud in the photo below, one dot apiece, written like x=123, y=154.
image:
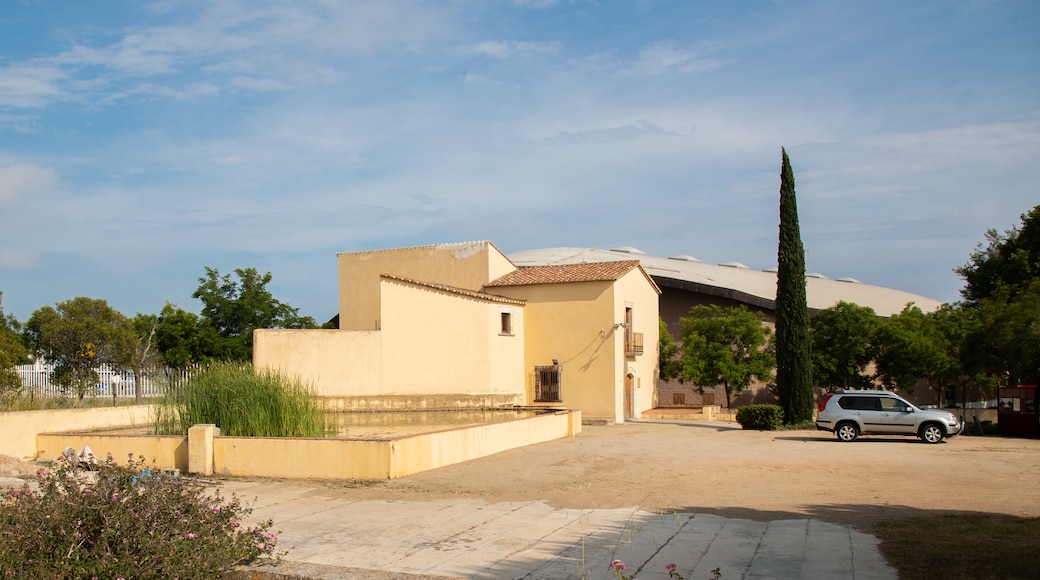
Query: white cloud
x=665, y=57
x=19, y=182
x=17, y=260
x=29, y=85
x=509, y=49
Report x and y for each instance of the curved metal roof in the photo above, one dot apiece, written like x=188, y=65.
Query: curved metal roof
x=754, y=287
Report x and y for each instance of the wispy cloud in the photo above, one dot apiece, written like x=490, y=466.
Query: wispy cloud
x=18, y=182
x=667, y=57
x=508, y=49
x=29, y=85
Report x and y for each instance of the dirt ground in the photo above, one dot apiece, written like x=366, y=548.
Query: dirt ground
x=720, y=469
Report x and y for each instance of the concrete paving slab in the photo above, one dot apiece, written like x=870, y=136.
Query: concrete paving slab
x=335, y=537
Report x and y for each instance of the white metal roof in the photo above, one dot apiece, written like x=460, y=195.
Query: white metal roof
x=821, y=292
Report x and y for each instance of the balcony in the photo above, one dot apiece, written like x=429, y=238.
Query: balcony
x=633, y=343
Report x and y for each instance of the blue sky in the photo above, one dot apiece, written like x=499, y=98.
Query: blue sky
x=143, y=141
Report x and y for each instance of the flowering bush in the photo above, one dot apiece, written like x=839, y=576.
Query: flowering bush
x=124, y=521
x=617, y=567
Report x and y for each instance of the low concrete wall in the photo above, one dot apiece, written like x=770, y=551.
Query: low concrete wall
x=159, y=451
x=421, y=402
x=699, y=413
x=300, y=458
x=432, y=450
x=384, y=459
x=18, y=429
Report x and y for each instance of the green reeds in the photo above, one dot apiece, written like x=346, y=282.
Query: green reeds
x=242, y=402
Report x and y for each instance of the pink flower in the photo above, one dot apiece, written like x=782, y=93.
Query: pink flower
x=191, y=535
x=671, y=566
x=617, y=565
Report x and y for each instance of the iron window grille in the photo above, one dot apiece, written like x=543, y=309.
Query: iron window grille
x=547, y=384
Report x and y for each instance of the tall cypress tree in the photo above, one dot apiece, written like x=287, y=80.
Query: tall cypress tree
x=793, y=378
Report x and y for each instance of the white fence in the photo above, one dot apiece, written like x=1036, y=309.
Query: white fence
x=37, y=381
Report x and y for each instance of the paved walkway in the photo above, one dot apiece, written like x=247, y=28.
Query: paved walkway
x=336, y=538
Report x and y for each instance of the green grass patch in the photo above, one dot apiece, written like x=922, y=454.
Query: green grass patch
x=962, y=547
x=23, y=402
x=243, y=403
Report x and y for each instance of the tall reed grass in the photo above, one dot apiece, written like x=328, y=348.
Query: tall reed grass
x=242, y=402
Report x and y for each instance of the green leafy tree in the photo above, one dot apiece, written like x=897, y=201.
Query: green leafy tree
x=12, y=352
x=182, y=339
x=1002, y=288
x=79, y=335
x=1009, y=261
x=1005, y=342
x=793, y=364
x=912, y=346
x=728, y=347
x=234, y=309
x=668, y=354
x=842, y=336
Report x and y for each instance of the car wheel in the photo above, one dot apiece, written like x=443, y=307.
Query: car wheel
x=847, y=432
x=932, y=433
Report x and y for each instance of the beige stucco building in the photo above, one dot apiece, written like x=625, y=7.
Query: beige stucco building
x=460, y=325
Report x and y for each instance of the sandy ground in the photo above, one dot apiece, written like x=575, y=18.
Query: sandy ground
x=718, y=468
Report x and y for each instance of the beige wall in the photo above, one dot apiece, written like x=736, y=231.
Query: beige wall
x=433, y=342
x=437, y=342
x=18, y=429
x=321, y=458
x=573, y=324
x=158, y=451
x=467, y=265
x=334, y=362
x=633, y=290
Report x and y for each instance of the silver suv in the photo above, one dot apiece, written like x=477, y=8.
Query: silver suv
x=848, y=414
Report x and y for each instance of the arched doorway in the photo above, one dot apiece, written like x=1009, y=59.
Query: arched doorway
x=629, y=396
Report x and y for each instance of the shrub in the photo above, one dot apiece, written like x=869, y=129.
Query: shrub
x=761, y=417
x=243, y=403
x=124, y=522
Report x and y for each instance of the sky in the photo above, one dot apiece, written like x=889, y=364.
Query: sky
x=142, y=142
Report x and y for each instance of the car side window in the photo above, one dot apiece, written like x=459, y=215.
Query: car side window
x=894, y=405
x=848, y=402
x=859, y=403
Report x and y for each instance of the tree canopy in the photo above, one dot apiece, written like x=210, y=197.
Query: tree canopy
x=728, y=347
x=668, y=352
x=12, y=351
x=842, y=336
x=1009, y=262
x=1002, y=289
x=913, y=346
x=78, y=336
x=235, y=308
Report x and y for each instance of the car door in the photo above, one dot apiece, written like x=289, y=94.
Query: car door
x=869, y=411
x=896, y=417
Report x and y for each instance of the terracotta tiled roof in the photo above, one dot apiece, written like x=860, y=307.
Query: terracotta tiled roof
x=565, y=273
x=456, y=290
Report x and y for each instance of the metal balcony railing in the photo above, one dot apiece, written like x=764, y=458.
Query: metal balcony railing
x=633, y=343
